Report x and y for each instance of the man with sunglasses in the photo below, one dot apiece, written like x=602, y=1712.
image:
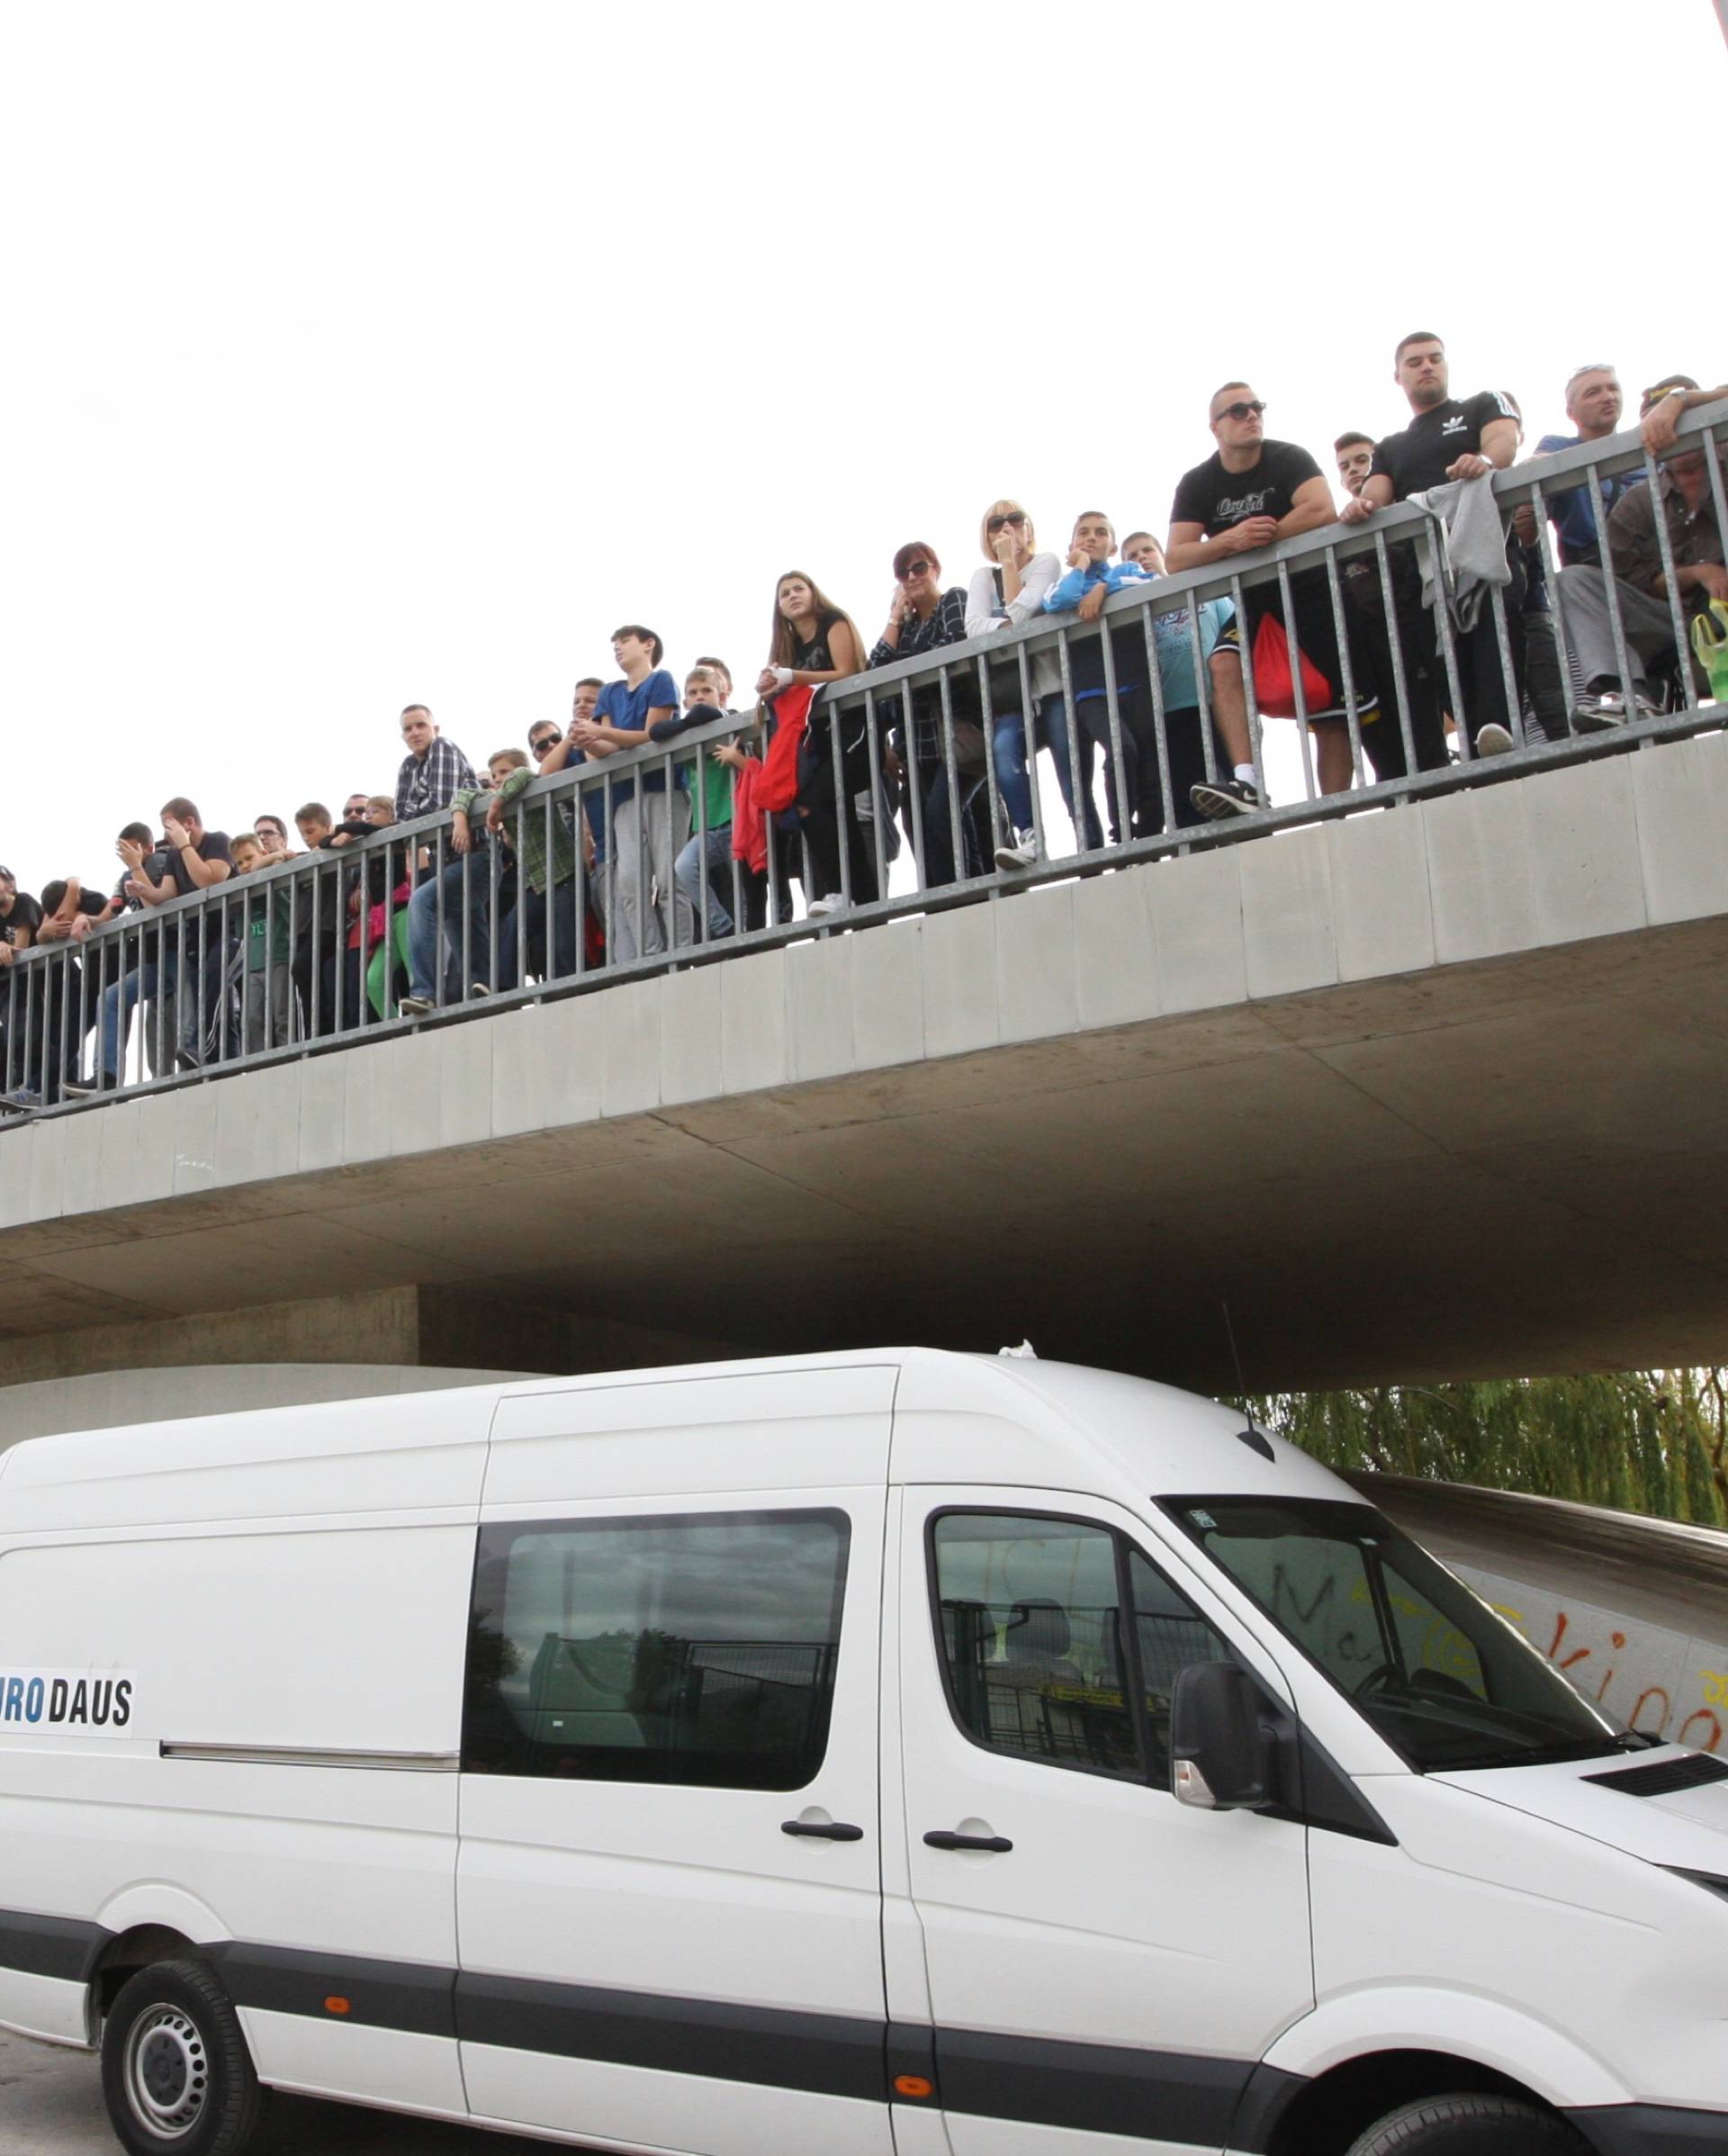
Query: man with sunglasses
x=1249, y=493
x=1447, y=438
x=1685, y=500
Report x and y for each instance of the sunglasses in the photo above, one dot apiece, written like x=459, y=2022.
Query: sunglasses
x=546, y=741
x=997, y=523
x=913, y=569
x=1241, y=410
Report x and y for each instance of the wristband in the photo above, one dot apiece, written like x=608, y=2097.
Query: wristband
x=783, y=677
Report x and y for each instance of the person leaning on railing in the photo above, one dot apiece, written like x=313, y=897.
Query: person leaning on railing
x=1447, y=438
x=47, y=987
x=813, y=641
x=921, y=618
x=1687, y=507
x=190, y=860
x=1006, y=594
x=1249, y=493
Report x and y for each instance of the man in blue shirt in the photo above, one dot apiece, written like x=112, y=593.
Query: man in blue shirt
x=648, y=822
x=1593, y=405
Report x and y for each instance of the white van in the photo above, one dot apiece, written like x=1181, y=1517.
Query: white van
x=899, y=1751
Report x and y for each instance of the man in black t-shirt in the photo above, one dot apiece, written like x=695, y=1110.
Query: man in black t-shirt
x=1249, y=492
x=42, y=1025
x=1446, y=439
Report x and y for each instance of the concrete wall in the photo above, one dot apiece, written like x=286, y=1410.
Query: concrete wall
x=110, y=1399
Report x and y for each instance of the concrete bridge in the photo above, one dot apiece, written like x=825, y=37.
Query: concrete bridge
x=1435, y=1090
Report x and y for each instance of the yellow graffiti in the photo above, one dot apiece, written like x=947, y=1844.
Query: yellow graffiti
x=1716, y=1687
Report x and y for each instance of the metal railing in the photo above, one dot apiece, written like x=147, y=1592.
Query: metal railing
x=580, y=888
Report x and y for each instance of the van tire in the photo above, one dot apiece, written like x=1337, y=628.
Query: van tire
x=1469, y=2125
x=177, y=2075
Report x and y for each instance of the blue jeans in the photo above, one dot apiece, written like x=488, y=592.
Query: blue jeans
x=687, y=872
x=423, y=922
x=1014, y=782
x=119, y=1000
x=536, y=907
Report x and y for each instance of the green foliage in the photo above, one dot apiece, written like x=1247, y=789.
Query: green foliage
x=1649, y=1441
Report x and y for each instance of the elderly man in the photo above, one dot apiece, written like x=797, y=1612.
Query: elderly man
x=1687, y=504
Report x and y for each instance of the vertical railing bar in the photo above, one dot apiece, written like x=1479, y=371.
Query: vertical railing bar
x=1617, y=627
x=1160, y=724
x=1250, y=694
x=1311, y=788
x=1442, y=611
x=878, y=794
x=1202, y=688
x=987, y=726
x=1508, y=672
x=1351, y=716
x=1127, y=809
x=842, y=803
x=1082, y=791
x=1028, y=724
x=951, y=765
x=1395, y=645
x=1675, y=612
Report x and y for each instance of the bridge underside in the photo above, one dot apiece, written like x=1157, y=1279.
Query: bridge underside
x=1433, y=1093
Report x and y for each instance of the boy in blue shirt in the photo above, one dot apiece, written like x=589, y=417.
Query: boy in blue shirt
x=648, y=823
x=1089, y=580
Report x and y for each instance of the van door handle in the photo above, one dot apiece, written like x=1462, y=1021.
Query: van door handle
x=823, y=1830
x=942, y=1839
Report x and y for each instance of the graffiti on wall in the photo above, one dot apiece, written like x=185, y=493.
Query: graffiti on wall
x=1665, y=1684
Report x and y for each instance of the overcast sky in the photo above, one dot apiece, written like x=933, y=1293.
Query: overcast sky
x=355, y=355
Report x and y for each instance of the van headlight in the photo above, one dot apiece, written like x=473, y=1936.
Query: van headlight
x=1710, y=1881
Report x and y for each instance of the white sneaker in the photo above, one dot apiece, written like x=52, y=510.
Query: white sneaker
x=1601, y=712
x=819, y=909
x=1494, y=740
x=1021, y=854
x=415, y=1006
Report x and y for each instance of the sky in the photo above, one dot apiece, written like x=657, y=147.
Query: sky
x=367, y=354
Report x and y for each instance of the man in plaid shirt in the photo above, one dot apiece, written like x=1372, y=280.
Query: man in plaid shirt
x=432, y=769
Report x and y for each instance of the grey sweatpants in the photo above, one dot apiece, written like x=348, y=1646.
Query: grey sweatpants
x=1649, y=630
x=645, y=910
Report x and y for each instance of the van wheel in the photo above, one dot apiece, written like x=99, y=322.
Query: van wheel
x=175, y=2071
x=1469, y=2125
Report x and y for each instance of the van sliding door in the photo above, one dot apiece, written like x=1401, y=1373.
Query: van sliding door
x=668, y=1882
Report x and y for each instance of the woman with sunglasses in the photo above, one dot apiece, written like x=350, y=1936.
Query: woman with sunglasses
x=922, y=616
x=1008, y=591
x=815, y=642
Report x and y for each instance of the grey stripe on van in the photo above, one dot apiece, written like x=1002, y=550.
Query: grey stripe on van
x=1108, y=2088
x=59, y=1947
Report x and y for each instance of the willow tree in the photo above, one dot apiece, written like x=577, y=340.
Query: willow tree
x=1641, y=1440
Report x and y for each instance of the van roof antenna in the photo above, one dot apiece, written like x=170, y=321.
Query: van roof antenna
x=1025, y=1352
x=1229, y=1332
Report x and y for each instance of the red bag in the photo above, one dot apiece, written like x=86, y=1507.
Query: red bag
x=778, y=788
x=1272, y=688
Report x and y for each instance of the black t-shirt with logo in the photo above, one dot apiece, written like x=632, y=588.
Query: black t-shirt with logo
x=1217, y=500
x=1417, y=458
x=25, y=915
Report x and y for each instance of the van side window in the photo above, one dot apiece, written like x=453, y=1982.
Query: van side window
x=696, y=1649
x=1031, y=1634
x=1039, y=1662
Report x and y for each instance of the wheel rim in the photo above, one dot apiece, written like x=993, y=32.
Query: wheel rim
x=168, y=2072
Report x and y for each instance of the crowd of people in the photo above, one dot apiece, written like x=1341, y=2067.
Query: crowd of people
x=692, y=844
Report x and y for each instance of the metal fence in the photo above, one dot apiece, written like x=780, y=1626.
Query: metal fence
x=912, y=779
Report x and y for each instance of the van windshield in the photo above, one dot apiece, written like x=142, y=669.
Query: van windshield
x=1445, y=1681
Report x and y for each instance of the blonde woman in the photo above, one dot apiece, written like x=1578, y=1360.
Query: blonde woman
x=1008, y=591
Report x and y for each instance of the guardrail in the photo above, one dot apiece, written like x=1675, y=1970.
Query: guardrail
x=313, y=954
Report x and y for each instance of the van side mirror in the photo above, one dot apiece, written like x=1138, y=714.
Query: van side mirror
x=1222, y=1751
